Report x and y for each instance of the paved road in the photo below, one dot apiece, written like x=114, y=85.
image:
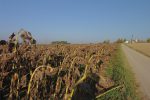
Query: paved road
x=141, y=67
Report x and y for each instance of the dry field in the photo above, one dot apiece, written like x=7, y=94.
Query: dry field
x=55, y=72
x=141, y=47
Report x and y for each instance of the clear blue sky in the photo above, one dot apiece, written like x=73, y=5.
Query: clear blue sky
x=76, y=20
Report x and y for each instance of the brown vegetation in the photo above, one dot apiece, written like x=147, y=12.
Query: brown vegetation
x=55, y=71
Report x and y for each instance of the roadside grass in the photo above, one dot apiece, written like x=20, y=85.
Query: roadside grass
x=119, y=71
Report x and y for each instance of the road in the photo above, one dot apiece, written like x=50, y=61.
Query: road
x=140, y=65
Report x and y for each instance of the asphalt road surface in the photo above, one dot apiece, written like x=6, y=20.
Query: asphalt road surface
x=141, y=67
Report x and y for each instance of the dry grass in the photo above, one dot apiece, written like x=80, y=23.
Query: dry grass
x=144, y=48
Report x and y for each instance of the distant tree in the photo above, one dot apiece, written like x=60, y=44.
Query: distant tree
x=60, y=42
x=120, y=40
x=148, y=40
x=106, y=41
x=3, y=42
x=124, y=40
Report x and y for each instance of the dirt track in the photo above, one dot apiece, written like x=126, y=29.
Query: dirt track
x=141, y=67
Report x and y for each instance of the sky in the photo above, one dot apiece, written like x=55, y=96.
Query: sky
x=76, y=21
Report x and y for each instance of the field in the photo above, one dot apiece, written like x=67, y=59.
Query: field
x=144, y=48
x=66, y=72
x=55, y=71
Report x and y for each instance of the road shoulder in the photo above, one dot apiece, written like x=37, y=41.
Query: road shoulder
x=121, y=73
x=130, y=65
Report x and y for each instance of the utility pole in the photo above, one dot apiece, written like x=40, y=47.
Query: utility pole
x=132, y=39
